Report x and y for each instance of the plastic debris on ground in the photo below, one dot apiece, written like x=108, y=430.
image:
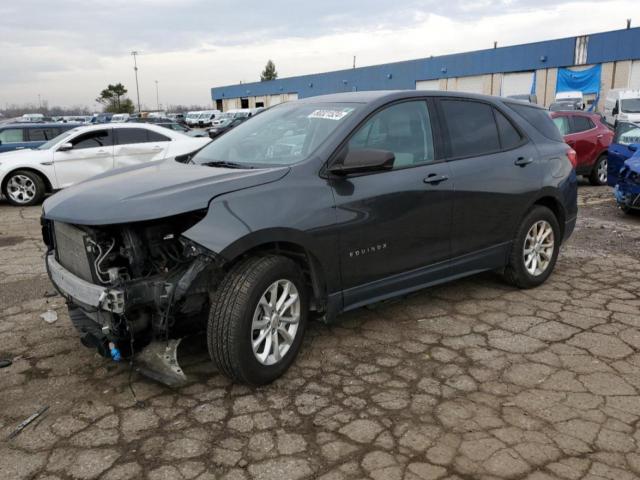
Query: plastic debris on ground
x=50, y=316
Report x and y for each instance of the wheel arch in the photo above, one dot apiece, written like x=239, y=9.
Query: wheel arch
x=47, y=183
x=555, y=205
x=295, y=249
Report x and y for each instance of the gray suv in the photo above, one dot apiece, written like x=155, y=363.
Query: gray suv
x=313, y=207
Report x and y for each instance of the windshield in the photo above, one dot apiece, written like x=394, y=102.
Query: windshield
x=627, y=133
x=56, y=140
x=631, y=105
x=204, y=115
x=283, y=135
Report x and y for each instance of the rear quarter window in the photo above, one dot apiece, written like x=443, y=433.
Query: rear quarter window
x=539, y=119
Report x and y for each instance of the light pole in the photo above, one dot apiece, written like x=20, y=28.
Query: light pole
x=135, y=68
x=157, y=97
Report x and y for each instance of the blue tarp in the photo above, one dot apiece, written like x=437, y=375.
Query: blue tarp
x=585, y=81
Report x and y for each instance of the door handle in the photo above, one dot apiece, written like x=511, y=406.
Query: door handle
x=600, y=135
x=435, y=179
x=523, y=161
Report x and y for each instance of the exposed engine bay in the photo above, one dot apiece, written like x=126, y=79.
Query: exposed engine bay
x=133, y=287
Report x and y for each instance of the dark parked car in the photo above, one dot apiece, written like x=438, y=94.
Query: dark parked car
x=566, y=106
x=225, y=125
x=319, y=205
x=18, y=136
x=624, y=166
x=589, y=135
x=178, y=127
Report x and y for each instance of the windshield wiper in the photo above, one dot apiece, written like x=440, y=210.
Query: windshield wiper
x=223, y=164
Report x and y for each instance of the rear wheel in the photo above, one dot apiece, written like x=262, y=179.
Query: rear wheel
x=598, y=174
x=257, y=319
x=535, y=249
x=23, y=188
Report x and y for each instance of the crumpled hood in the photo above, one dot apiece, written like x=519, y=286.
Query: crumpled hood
x=150, y=191
x=633, y=163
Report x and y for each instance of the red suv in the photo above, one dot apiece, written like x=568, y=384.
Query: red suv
x=589, y=136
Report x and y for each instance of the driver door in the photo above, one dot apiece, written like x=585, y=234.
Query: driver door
x=91, y=154
x=394, y=226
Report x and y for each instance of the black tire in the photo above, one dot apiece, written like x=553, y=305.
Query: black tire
x=37, y=181
x=593, y=176
x=231, y=314
x=515, y=271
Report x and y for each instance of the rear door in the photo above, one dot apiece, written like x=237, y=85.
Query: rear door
x=92, y=154
x=396, y=221
x=138, y=145
x=583, y=139
x=13, y=138
x=496, y=175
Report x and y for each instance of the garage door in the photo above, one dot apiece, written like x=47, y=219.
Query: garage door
x=634, y=79
x=517, y=83
x=468, y=84
x=428, y=85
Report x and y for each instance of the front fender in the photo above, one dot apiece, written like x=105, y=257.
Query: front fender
x=301, y=213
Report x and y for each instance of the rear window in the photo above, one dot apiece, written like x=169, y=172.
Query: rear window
x=581, y=124
x=539, y=119
x=472, y=128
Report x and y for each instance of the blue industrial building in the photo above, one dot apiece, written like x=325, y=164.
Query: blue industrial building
x=532, y=66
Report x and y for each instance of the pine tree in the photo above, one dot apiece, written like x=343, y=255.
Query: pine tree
x=269, y=72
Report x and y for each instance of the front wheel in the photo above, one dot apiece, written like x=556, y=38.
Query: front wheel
x=24, y=188
x=535, y=249
x=257, y=319
x=598, y=176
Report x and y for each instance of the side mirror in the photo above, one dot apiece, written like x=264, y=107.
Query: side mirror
x=65, y=147
x=615, y=110
x=633, y=147
x=364, y=160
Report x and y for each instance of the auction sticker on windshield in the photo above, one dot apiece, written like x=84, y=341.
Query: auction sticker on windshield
x=331, y=114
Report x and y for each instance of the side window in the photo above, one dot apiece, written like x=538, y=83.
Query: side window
x=404, y=129
x=509, y=136
x=37, y=134
x=563, y=125
x=472, y=128
x=127, y=136
x=12, y=135
x=52, y=132
x=157, y=137
x=95, y=139
x=580, y=124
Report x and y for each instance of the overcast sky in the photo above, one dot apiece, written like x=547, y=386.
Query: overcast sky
x=68, y=50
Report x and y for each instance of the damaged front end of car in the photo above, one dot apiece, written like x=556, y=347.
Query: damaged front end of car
x=627, y=190
x=134, y=289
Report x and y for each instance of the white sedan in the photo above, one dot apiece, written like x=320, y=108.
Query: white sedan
x=83, y=152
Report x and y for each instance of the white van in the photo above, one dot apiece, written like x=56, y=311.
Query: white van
x=622, y=104
x=191, y=119
x=120, y=117
x=573, y=97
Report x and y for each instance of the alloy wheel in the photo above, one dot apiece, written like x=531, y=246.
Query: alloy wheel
x=602, y=171
x=21, y=189
x=275, y=322
x=538, y=248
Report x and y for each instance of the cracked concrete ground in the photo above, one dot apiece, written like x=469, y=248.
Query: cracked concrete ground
x=472, y=379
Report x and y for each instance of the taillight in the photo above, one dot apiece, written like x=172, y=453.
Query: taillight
x=573, y=157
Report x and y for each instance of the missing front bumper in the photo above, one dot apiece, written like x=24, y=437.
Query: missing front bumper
x=82, y=292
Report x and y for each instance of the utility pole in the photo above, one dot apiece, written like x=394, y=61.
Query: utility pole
x=135, y=68
x=157, y=97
